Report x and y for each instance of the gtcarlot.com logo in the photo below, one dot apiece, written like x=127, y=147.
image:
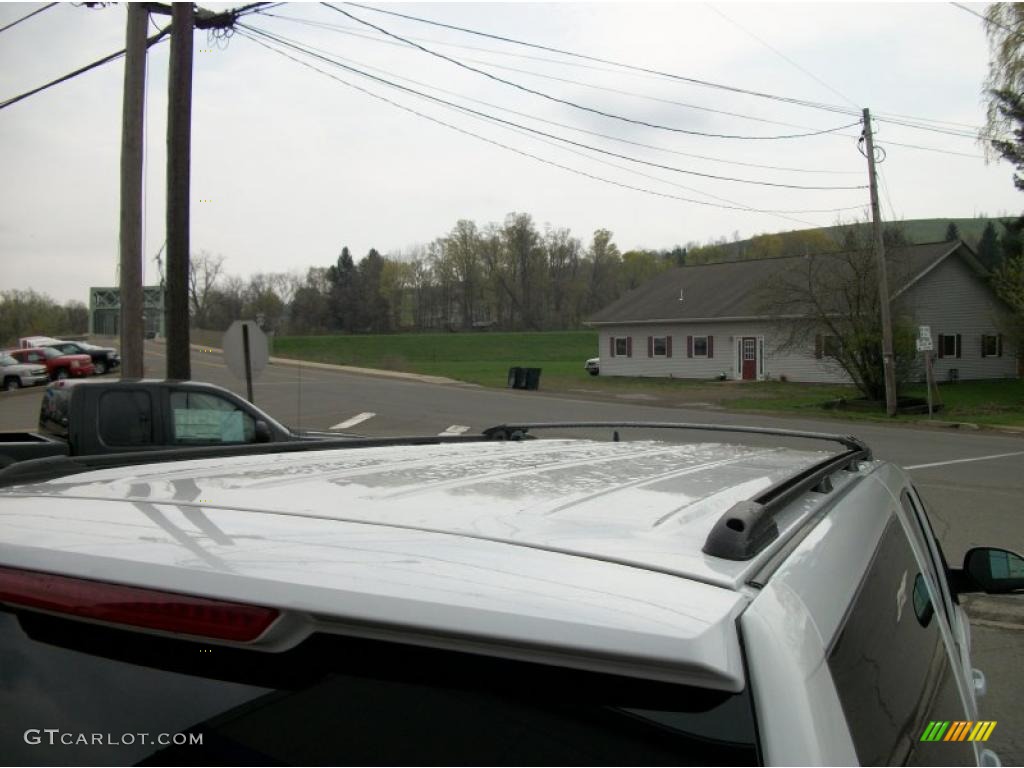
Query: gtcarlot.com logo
x=55, y=736
x=958, y=730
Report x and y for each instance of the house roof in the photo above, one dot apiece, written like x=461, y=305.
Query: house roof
x=732, y=290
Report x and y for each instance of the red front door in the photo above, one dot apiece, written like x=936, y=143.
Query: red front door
x=748, y=354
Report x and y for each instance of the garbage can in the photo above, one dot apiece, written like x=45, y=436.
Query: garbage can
x=532, y=378
x=515, y=375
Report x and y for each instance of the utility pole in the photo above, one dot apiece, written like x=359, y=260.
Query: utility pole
x=888, y=362
x=179, y=141
x=133, y=111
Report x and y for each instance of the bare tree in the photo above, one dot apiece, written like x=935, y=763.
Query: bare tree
x=204, y=272
x=830, y=303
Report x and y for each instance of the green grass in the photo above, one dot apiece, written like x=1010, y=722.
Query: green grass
x=484, y=358
x=481, y=358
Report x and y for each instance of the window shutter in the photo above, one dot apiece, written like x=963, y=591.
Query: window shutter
x=958, y=346
x=611, y=345
x=942, y=351
x=711, y=346
x=819, y=346
x=999, y=345
x=629, y=346
x=689, y=346
x=668, y=346
x=650, y=346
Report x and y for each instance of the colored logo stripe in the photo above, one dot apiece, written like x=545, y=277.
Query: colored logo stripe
x=935, y=730
x=958, y=730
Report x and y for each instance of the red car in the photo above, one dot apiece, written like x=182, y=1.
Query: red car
x=58, y=365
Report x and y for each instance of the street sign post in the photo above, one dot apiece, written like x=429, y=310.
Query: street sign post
x=246, y=351
x=924, y=345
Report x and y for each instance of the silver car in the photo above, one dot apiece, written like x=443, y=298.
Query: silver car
x=15, y=375
x=486, y=600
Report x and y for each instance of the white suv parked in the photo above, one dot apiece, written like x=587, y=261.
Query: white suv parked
x=483, y=600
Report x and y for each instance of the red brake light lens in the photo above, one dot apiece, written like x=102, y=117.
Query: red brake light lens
x=134, y=606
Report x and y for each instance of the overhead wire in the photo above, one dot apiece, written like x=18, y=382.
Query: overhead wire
x=598, y=59
x=632, y=67
x=341, y=29
x=583, y=107
x=661, y=166
x=37, y=11
x=783, y=56
x=575, y=128
x=247, y=32
x=151, y=41
x=982, y=17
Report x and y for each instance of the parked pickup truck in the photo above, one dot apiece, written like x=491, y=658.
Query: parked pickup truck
x=82, y=418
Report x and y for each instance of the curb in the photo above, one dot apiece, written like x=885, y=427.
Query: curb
x=350, y=369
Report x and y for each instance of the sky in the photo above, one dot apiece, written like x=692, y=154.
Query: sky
x=289, y=164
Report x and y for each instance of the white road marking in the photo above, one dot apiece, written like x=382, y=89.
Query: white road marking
x=454, y=429
x=359, y=419
x=964, y=461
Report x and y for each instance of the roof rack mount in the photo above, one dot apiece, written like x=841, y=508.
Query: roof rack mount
x=749, y=526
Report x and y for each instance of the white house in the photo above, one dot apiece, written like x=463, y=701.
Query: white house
x=703, y=321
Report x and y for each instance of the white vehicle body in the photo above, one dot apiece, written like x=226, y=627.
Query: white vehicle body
x=28, y=342
x=22, y=374
x=580, y=554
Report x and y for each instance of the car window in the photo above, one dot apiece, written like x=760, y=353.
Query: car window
x=341, y=701
x=53, y=412
x=126, y=418
x=203, y=417
x=49, y=353
x=7, y=360
x=891, y=666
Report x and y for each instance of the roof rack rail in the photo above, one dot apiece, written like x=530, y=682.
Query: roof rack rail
x=748, y=526
x=519, y=431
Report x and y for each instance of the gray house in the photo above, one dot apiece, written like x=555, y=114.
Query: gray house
x=709, y=320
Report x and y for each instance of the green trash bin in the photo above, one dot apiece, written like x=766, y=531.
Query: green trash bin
x=533, y=378
x=515, y=377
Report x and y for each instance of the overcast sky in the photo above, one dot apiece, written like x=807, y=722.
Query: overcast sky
x=289, y=165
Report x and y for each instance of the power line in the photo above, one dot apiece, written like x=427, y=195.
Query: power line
x=573, y=104
x=82, y=70
x=635, y=68
x=783, y=56
x=284, y=41
x=246, y=32
x=374, y=39
x=16, y=22
x=983, y=18
x=550, y=49
x=571, y=127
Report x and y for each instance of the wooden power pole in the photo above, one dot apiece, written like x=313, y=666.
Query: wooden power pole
x=179, y=126
x=132, y=122
x=888, y=362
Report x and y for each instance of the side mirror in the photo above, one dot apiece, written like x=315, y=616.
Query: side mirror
x=995, y=570
x=262, y=431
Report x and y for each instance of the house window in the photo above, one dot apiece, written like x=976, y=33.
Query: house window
x=949, y=345
x=991, y=345
x=832, y=346
x=700, y=346
x=659, y=346
x=622, y=346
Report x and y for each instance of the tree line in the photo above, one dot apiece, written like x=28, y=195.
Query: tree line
x=28, y=313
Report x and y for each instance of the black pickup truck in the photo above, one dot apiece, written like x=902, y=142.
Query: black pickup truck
x=88, y=418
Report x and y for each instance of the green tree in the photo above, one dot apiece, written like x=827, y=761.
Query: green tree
x=1008, y=283
x=343, y=292
x=1005, y=81
x=952, y=232
x=988, y=247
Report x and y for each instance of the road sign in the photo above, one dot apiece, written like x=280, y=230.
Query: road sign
x=924, y=338
x=245, y=351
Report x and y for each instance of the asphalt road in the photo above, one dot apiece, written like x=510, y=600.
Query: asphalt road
x=973, y=482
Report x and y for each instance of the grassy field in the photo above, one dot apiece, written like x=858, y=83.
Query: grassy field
x=484, y=358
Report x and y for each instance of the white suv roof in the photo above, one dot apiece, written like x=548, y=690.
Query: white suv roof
x=556, y=548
